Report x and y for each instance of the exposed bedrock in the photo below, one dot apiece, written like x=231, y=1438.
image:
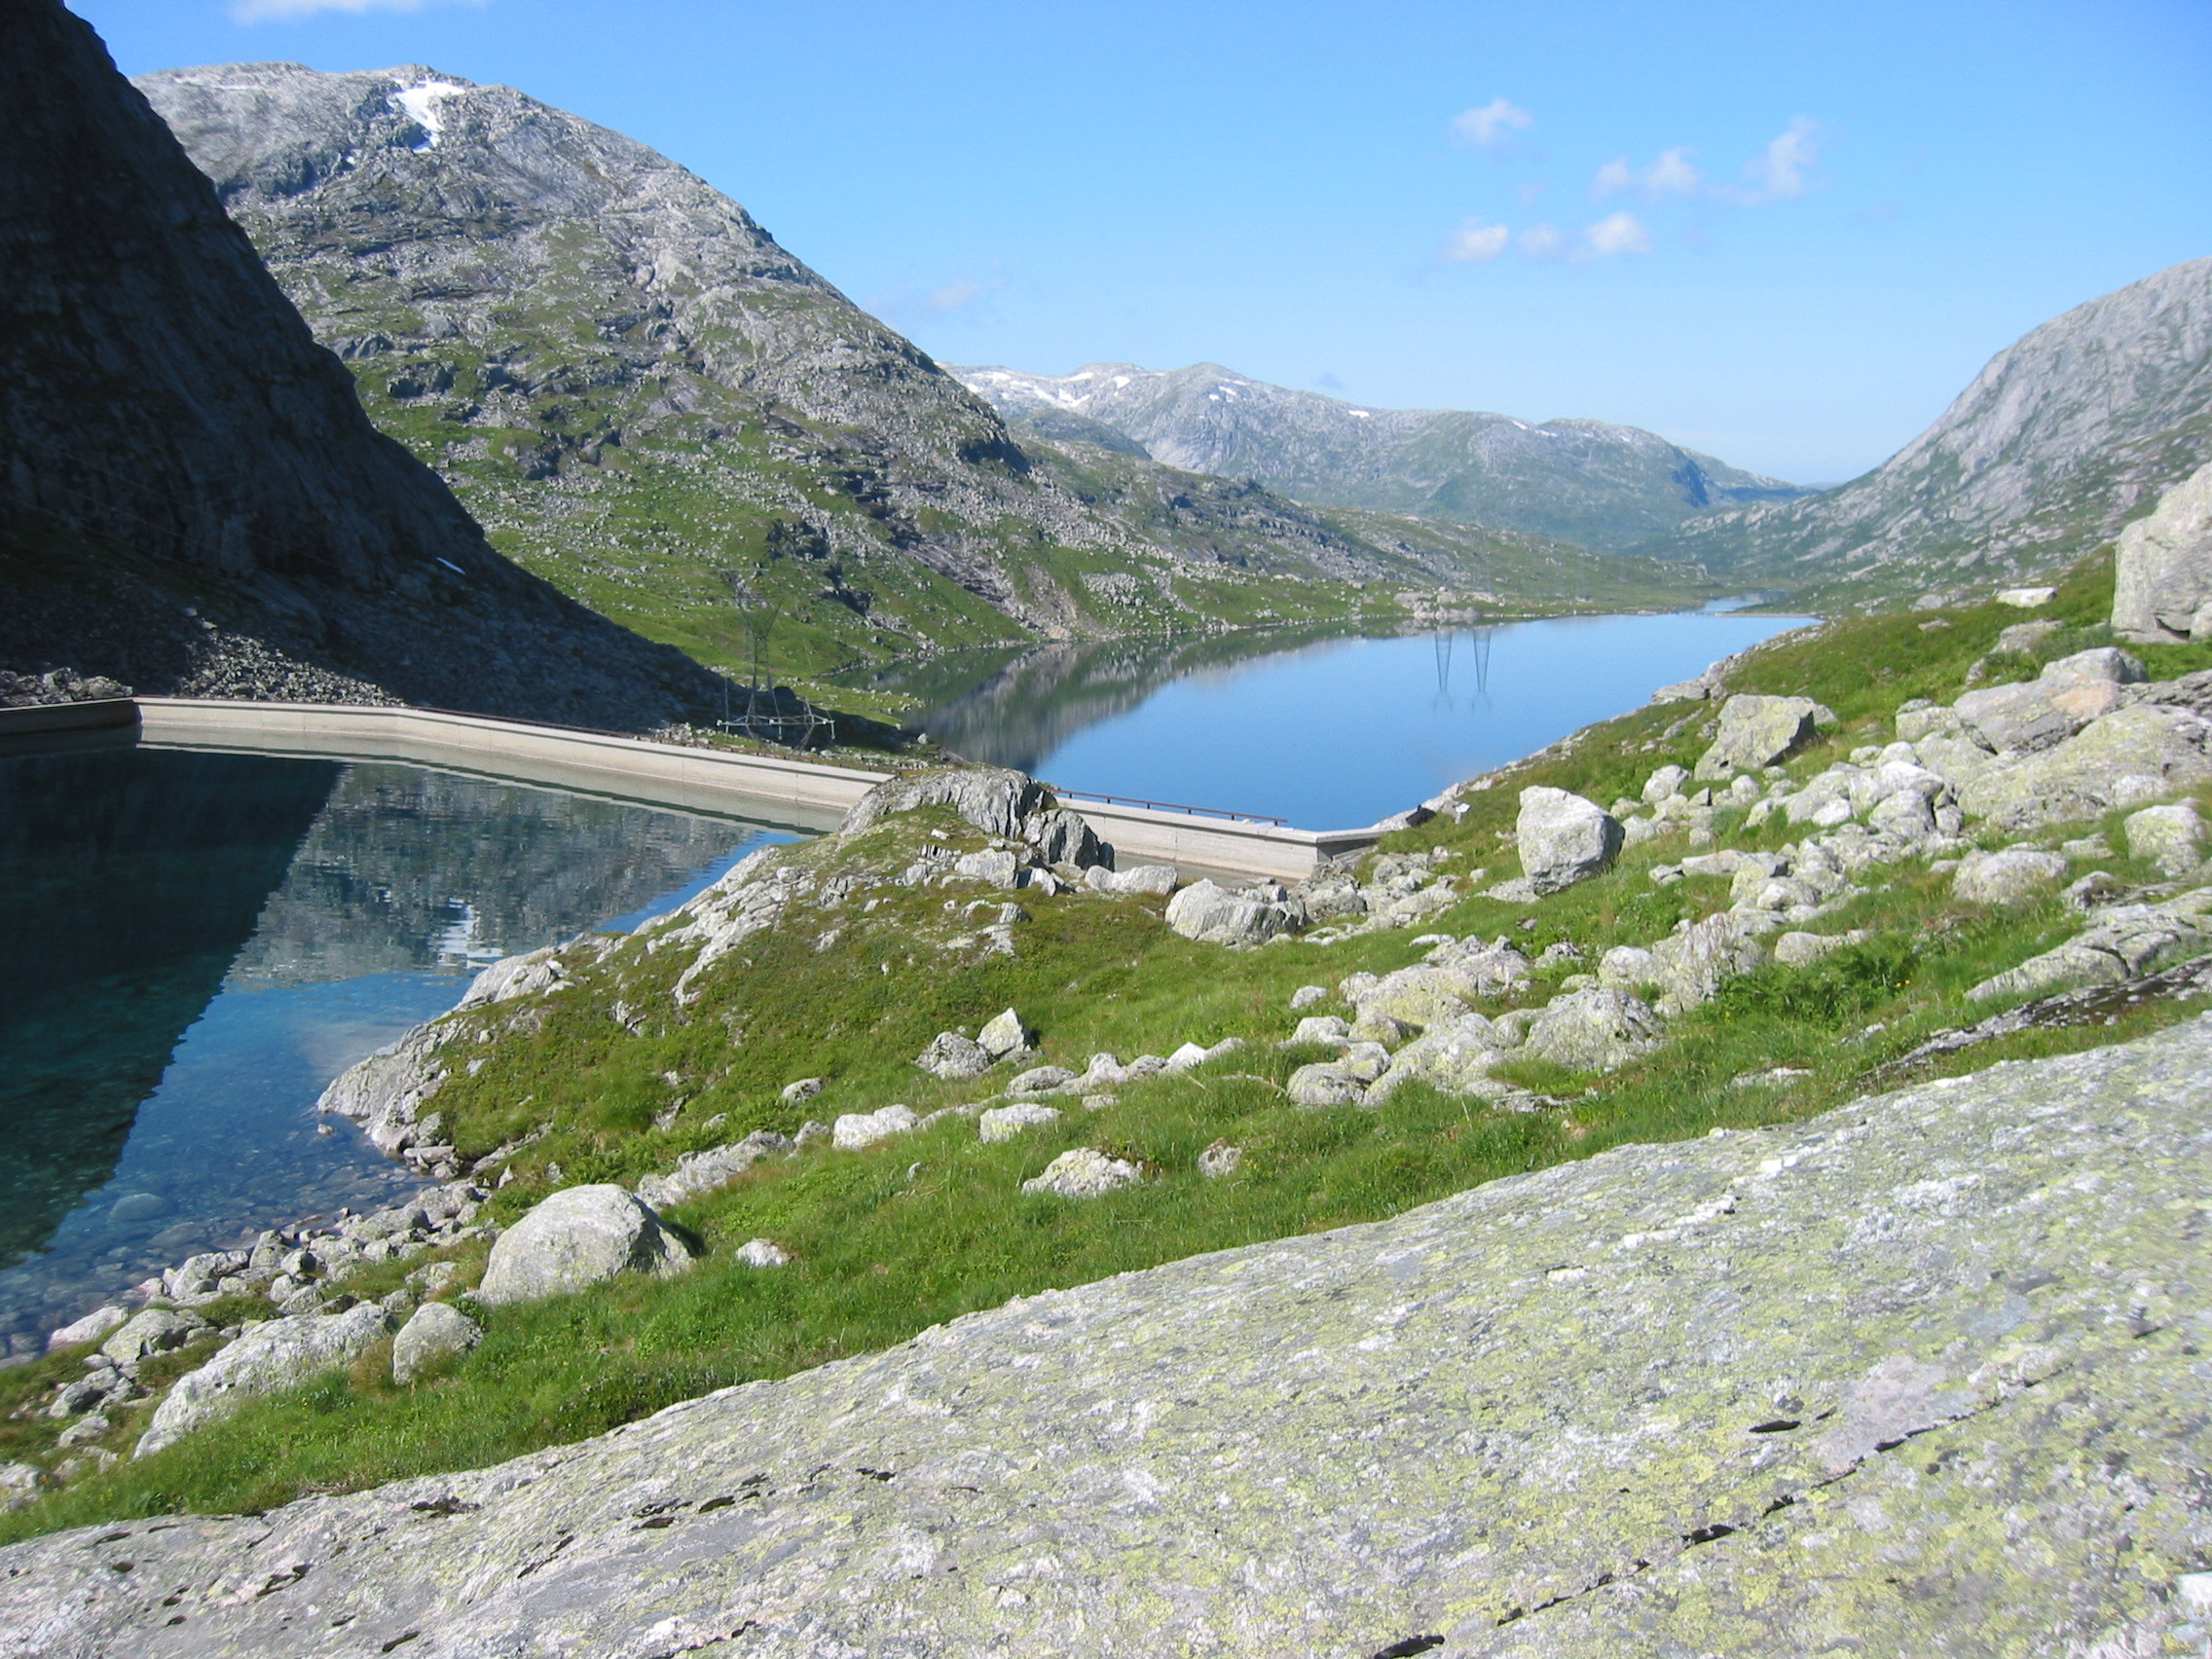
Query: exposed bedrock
x=1925, y=1370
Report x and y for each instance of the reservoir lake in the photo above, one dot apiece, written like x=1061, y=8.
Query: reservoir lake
x=196, y=943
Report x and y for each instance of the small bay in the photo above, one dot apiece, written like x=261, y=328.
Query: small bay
x=196, y=943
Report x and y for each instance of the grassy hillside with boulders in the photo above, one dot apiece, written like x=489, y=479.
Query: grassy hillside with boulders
x=1667, y=947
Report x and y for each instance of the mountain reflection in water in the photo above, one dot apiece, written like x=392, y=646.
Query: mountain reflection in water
x=200, y=941
x=1325, y=730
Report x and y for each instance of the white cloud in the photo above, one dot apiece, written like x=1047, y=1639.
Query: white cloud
x=952, y=297
x=1777, y=172
x=913, y=304
x=265, y=11
x=1474, y=243
x=1671, y=174
x=1543, y=242
x=1492, y=125
x=1618, y=232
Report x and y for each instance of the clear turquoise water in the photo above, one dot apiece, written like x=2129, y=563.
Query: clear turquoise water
x=196, y=945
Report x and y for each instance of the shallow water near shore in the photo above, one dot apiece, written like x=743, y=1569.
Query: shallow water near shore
x=1326, y=733
x=200, y=942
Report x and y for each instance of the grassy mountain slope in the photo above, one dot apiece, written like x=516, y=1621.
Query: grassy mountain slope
x=1590, y=481
x=635, y=387
x=2066, y=435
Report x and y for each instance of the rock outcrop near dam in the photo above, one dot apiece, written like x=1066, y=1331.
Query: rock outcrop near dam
x=1924, y=1374
x=196, y=501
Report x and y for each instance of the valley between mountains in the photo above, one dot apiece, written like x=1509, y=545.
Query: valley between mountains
x=1731, y=1181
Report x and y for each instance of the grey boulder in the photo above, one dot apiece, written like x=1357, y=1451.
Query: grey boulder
x=1759, y=732
x=2065, y=697
x=151, y=1330
x=1084, y=1172
x=2126, y=759
x=1002, y=1034
x=954, y=1058
x=1598, y=1029
x=1563, y=838
x=2172, y=837
x=271, y=1358
x=2163, y=578
x=993, y=799
x=1328, y=1083
x=577, y=1237
x=1212, y=914
x=2010, y=877
x=431, y=1332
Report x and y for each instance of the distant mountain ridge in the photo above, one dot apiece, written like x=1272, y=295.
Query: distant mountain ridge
x=634, y=385
x=2063, y=438
x=1603, y=485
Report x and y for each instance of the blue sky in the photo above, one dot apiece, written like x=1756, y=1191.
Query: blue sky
x=1785, y=235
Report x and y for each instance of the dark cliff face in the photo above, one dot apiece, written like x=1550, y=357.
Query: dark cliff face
x=164, y=407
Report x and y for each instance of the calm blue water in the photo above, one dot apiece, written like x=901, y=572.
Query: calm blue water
x=1330, y=734
x=198, y=943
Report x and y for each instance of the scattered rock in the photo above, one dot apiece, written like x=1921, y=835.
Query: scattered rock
x=151, y=1330
x=18, y=1486
x=2010, y=877
x=2068, y=694
x=1219, y=1160
x=805, y=1089
x=1325, y=1084
x=994, y=864
x=2126, y=759
x=2022, y=637
x=431, y=1332
x=701, y=1172
x=1084, y=1172
x=1041, y=1080
x=1002, y=1034
x=2172, y=837
x=1564, y=839
x=1802, y=949
x=1421, y=995
x=1320, y=1028
x=994, y=800
x=1760, y=731
x=578, y=1237
x=1452, y=1058
x=1212, y=914
x=2163, y=572
x=90, y=1329
x=1157, y=879
x=954, y=1058
x=1306, y=996
x=858, y=1130
x=1667, y=781
x=1595, y=1030
x=2124, y=941
x=763, y=1253
x=1004, y=1123
x=2026, y=597
x=271, y=1358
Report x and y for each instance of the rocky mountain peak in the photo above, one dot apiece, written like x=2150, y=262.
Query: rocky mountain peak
x=2063, y=438
x=1601, y=484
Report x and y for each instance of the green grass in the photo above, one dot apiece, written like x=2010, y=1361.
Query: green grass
x=891, y=1241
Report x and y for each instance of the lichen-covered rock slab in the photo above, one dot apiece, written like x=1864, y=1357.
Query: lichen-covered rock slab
x=1924, y=1373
